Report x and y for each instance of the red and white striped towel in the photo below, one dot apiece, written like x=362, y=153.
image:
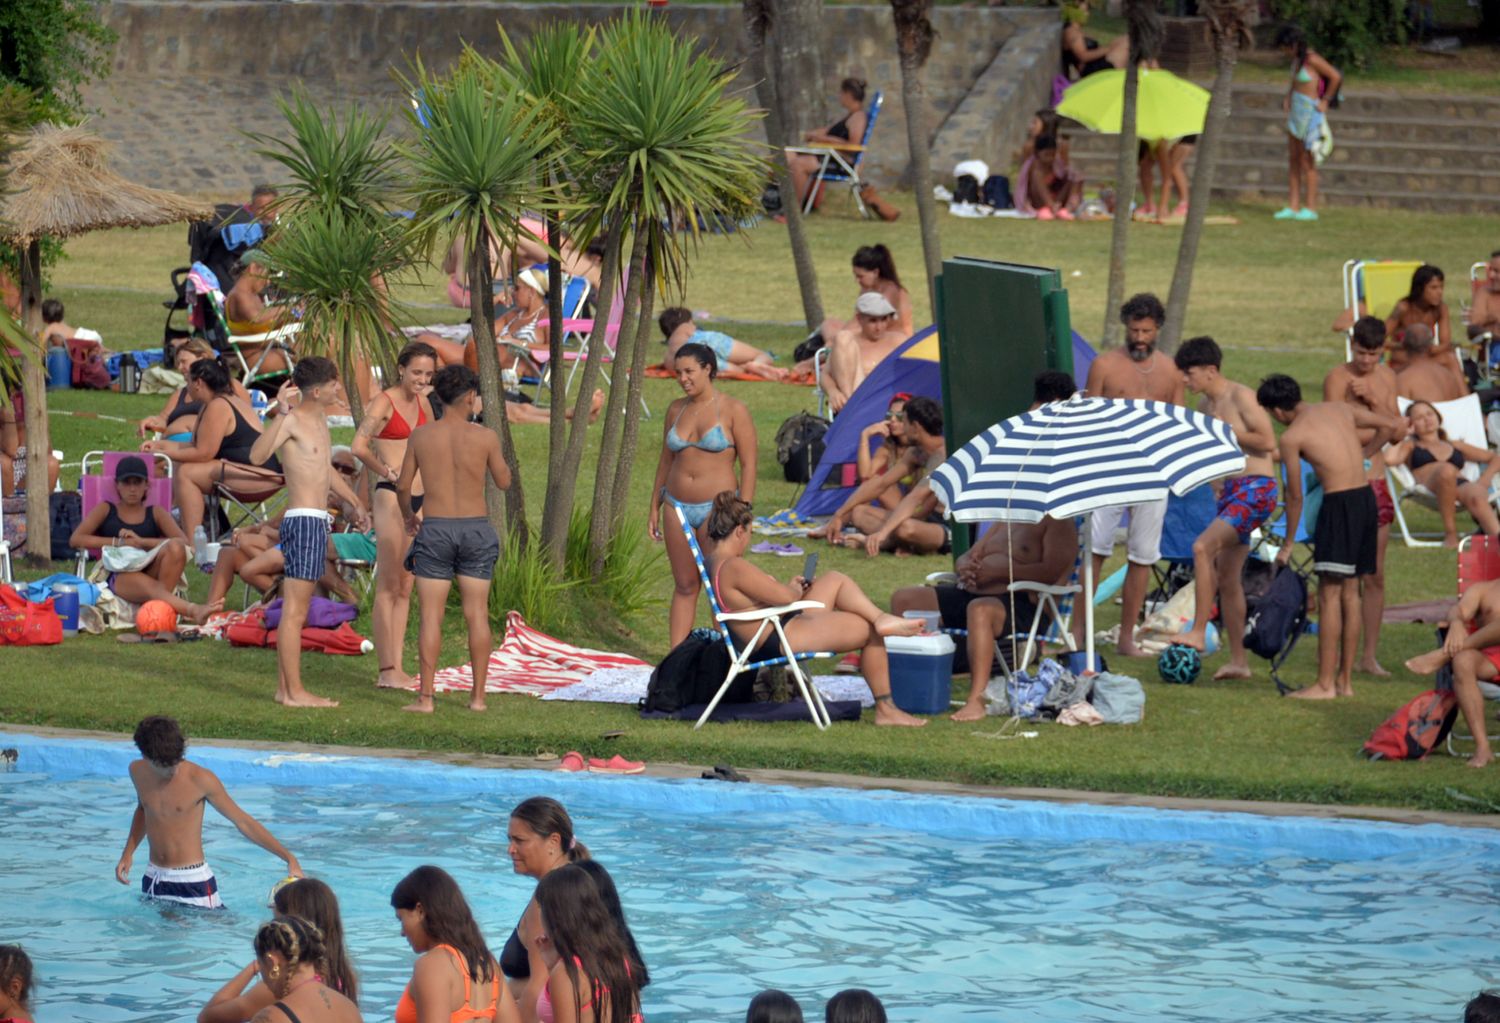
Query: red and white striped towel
x=532, y=662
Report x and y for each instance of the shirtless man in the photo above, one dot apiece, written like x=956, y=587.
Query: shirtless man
x=1428, y=375
x=56, y=331
x=1137, y=370
x=1245, y=502
x=1344, y=539
x=455, y=537
x=1473, y=645
x=914, y=530
x=245, y=308
x=170, y=793
x=859, y=348
x=300, y=438
x=1484, y=314
x=1366, y=381
x=678, y=329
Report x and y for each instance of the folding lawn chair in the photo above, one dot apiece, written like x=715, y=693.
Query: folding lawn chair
x=1267, y=541
x=6, y=575
x=356, y=558
x=227, y=507
x=97, y=487
x=1478, y=562
x=1483, y=343
x=1186, y=517
x=585, y=330
x=841, y=164
x=1372, y=287
x=818, y=359
x=1463, y=421
x=576, y=295
x=770, y=619
x=250, y=352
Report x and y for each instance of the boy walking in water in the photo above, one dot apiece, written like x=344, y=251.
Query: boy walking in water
x=300, y=437
x=1344, y=538
x=1244, y=501
x=170, y=793
x=455, y=538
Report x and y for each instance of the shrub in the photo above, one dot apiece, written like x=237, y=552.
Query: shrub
x=632, y=564
x=526, y=582
x=1349, y=33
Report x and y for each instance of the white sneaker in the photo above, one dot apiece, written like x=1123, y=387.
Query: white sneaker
x=941, y=194
x=964, y=209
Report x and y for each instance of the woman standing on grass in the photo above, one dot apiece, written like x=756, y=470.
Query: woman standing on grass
x=705, y=434
x=1315, y=83
x=380, y=443
x=540, y=839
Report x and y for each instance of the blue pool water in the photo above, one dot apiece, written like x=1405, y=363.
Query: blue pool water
x=950, y=909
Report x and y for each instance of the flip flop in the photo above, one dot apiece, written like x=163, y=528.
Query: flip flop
x=765, y=547
x=723, y=772
x=572, y=761
x=615, y=765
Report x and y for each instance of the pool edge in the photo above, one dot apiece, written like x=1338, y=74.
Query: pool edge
x=817, y=779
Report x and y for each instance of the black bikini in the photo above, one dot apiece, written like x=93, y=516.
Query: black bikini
x=236, y=445
x=113, y=525
x=1422, y=457
x=288, y=1010
x=416, y=499
x=514, y=962
x=841, y=130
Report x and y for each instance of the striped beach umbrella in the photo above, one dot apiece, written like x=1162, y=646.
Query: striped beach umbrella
x=1073, y=457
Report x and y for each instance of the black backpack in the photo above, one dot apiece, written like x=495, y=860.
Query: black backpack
x=799, y=446
x=1276, y=619
x=692, y=673
x=65, y=510
x=996, y=192
x=966, y=189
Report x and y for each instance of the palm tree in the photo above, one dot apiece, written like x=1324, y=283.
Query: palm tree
x=1143, y=21
x=1229, y=20
x=759, y=18
x=914, y=44
x=664, y=150
x=477, y=139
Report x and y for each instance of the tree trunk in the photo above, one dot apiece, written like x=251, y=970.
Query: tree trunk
x=562, y=482
x=38, y=437
x=601, y=514
x=630, y=439
x=777, y=135
x=796, y=60
x=914, y=98
x=1227, y=52
x=1125, y=180
x=554, y=540
x=491, y=390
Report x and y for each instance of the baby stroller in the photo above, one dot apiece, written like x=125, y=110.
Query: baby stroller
x=214, y=250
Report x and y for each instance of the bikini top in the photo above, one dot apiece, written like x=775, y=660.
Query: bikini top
x=184, y=407
x=396, y=427
x=112, y=525
x=236, y=445
x=713, y=441
x=514, y=962
x=406, y=1009
x=1420, y=456
x=1304, y=76
x=841, y=129
x=545, y=1014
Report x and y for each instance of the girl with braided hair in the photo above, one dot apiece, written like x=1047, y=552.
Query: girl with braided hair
x=293, y=959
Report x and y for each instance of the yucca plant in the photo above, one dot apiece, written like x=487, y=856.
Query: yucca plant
x=663, y=150
x=472, y=173
x=530, y=585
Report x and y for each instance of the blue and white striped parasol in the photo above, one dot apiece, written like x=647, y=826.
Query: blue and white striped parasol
x=1073, y=457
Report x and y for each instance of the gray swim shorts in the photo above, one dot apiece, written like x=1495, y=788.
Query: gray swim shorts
x=444, y=548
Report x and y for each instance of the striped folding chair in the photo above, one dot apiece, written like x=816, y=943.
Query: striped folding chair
x=741, y=659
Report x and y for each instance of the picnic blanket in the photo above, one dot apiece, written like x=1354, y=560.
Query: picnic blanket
x=628, y=685
x=530, y=661
x=661, y=372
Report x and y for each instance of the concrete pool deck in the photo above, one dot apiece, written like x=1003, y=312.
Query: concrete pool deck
x=816, y=779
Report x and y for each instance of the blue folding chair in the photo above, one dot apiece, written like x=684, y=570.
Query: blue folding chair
x=1187, y=516
x=842, y=164
x=770, y=619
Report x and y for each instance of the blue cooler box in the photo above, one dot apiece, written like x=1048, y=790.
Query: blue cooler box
x=921, y=672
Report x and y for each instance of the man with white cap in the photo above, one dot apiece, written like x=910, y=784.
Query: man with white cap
x=860, y=346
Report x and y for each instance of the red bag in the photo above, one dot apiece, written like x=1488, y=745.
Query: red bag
x=1415, y=730
x=250, y=630
x=23, y=623
x=87, y=357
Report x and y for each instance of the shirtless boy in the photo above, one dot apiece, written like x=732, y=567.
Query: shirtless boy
x=1245, y=501
x=1366, y=381
x=300, y=438
x=455, y=538
x=860, y=346
x=1473, y=645
x=170, y=793
x=1137, y=370
x=1344, y=538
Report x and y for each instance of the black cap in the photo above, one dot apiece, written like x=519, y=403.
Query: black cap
x=131, y=467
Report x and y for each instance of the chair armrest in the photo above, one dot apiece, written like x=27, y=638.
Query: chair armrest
x=820, y=150
x=1056, y=591
x=769, y=612
x=940, y=578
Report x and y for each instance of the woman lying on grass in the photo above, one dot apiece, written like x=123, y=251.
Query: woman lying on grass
x=849, y=620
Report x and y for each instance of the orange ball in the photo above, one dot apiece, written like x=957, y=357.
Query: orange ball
x=155, y=616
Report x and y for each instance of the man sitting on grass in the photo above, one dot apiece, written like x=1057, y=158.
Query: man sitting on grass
x=678, y=329
x=1473, y=647
x=861, y=346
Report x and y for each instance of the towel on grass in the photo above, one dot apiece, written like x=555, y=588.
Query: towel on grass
x=532, y=662
x=628, y=685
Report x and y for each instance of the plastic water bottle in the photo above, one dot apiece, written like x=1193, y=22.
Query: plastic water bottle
x=259, y=403
x=200, y=547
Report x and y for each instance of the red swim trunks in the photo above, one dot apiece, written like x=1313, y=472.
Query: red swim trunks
x=1385, y=508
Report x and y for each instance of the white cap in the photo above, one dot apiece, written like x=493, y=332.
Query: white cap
x=873, y=303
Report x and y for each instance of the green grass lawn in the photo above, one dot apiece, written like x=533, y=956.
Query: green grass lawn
x=1267, y=291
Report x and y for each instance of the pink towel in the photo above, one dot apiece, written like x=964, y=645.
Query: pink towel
x=532, y=662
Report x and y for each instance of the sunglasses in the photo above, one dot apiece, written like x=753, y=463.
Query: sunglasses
x=347, y=470
x=895, y=417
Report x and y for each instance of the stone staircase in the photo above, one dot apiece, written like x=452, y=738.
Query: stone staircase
x=1422, y=152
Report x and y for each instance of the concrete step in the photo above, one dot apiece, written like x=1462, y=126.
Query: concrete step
x=1347, y=151
x=1482, y=109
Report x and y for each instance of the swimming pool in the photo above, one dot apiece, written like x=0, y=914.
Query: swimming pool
x=949, y=908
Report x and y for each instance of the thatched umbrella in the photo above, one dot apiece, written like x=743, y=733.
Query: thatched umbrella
x=59, y=184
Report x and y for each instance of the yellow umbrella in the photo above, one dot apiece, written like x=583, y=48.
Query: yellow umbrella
x=1167, y=107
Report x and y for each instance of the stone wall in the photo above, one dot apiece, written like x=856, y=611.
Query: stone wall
x=190, y=76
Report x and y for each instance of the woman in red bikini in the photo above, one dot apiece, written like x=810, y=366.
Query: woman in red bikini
x=380, y=443
x=15, y=984
x=456, y=979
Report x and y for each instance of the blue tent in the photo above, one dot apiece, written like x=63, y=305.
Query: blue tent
x=913, y=369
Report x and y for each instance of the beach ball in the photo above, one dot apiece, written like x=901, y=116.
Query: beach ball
x=155, y=616
x=1210, y=637
x=1179, y=664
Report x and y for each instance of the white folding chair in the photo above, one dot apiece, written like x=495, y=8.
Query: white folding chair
x=1463, y=421
x=1047, y=610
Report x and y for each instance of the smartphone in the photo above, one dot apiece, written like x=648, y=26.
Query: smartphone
x=809, y=567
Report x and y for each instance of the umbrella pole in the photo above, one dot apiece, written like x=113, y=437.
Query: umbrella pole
x=1088, y=596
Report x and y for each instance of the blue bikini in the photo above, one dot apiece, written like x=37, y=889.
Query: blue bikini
x=713, y=442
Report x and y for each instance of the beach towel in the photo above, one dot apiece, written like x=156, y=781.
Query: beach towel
x=531, y=662
x=661, y=372
x=628, y=685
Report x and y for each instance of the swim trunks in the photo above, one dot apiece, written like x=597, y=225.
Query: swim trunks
x=1143, y=546
x=722, y=344
x=1246, y=502
x=448, y=547
x=186, y=886
x=953, y=605
x=1344, y=538
x=1385, y=508
x=304, y=542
